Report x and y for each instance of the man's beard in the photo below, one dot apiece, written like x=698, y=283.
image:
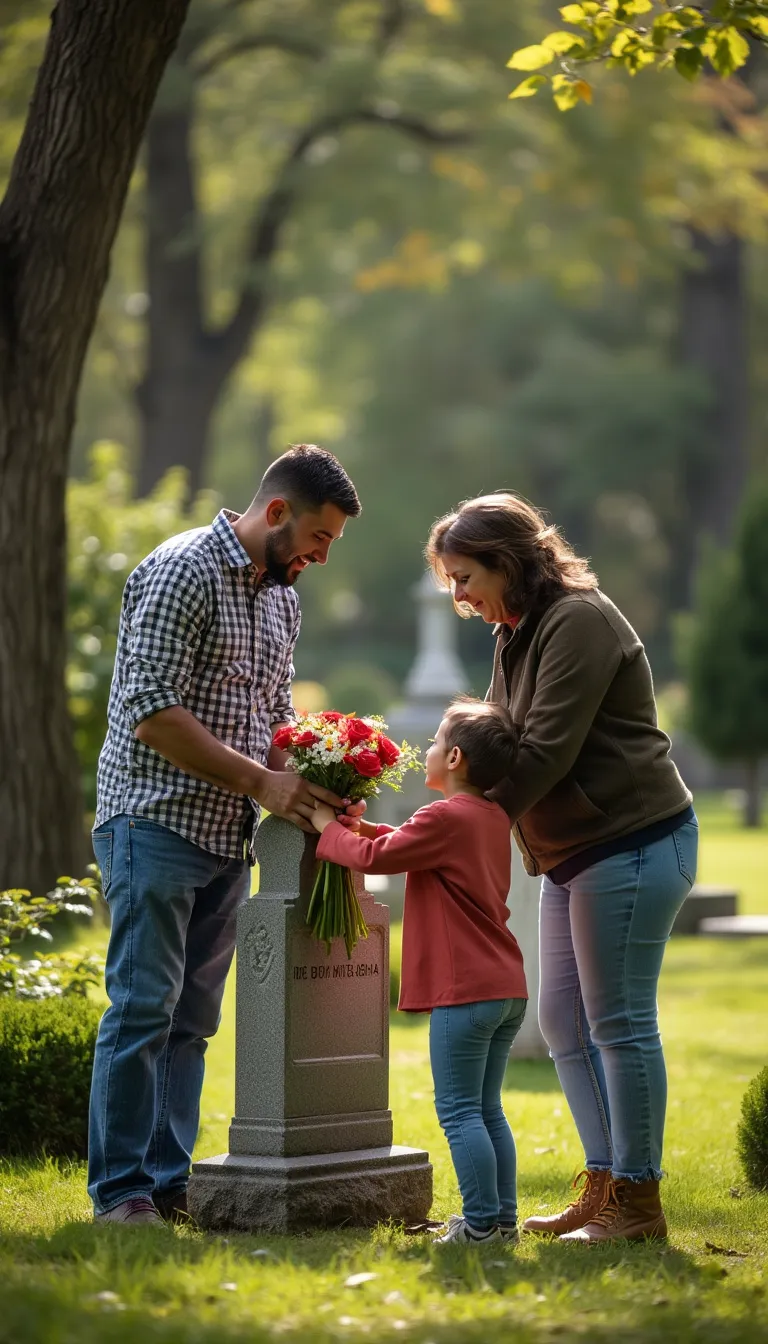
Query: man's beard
x=279, y=555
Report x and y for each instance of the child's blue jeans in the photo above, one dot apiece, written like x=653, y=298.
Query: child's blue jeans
x=469, y=1046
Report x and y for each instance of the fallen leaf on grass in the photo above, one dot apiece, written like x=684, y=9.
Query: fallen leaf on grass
x=355, y=1280
x=426, y=1225
x=725, y=1250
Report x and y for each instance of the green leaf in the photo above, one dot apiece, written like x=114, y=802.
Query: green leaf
x=731, y=50
x=573, y=13
x=529, y=86
x=530, y=58
x=759, y=25
x=630, y=7
x=564, y=92
x=688, y=62
x=621, y=42
x=692, y=17
x=664, y=26
x=562, y=42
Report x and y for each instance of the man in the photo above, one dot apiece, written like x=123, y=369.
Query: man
x=202, y=682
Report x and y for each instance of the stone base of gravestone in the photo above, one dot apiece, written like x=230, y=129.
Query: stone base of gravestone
x=242, y=1193
x=310, y=1144
x=704, y=902
x=737, y=926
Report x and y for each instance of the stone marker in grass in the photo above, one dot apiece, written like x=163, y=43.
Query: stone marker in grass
x=310, y=1144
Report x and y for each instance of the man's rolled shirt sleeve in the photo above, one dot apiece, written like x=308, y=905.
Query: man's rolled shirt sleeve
x=281, y=709
x=165, y=622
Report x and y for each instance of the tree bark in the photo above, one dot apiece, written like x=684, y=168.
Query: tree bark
x=752, y=810
x=182, y=382
x=714, y=341
x=95, y=87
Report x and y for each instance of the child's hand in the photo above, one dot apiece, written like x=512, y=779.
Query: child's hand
x=323, y=816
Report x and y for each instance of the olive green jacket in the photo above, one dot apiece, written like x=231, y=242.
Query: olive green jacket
x=593, y=764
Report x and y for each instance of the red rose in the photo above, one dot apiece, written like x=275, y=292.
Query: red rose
x=283, y=738
x=367, y=764
x=332, y=716
x=388, y=752
x=358, y=732
x=306, y=739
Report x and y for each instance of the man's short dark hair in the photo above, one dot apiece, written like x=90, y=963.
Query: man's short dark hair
x=309, y=477
x=487, y=737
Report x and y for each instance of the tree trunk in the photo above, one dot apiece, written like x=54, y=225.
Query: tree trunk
x=752, y=794
x=714, y=341
x=98, y=79
x=183, y=380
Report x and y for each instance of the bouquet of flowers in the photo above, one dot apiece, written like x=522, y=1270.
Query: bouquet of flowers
x=351, y=756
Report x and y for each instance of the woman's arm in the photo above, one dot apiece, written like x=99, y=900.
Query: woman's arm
x=580, y=655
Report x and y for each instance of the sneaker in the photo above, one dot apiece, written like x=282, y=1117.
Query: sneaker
x=509, y=1233
x=140, y=1209
x=459, y=1231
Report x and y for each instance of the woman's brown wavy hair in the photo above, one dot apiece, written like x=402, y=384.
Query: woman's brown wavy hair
x=508, y=535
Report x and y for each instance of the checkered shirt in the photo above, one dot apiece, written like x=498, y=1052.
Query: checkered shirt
x=197, y=630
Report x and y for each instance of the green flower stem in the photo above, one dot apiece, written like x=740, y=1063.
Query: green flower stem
x=334, y=910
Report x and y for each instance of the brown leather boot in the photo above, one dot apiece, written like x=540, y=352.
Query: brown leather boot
x=631, y=1211
x=578, y=1213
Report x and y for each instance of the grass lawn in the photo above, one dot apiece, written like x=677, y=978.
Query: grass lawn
x=62, y=1281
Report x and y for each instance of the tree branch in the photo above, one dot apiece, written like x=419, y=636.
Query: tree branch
x=231, y=341
x=391, y=22
x=299, y=46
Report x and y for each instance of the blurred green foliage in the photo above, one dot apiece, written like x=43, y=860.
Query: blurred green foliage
x=727, y=643
x=109, y=532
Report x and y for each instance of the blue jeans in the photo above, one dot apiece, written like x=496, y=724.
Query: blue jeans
x=602, y=938
x=469, y=1046
x=173, y=909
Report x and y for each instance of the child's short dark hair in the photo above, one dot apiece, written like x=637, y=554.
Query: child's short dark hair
x=487, y=737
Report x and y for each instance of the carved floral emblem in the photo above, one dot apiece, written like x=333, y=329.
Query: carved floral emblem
x=260, y=952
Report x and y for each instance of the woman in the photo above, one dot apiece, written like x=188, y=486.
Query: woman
x=600, y=810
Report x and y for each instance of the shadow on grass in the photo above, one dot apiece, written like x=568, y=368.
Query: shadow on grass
x=529, y=1293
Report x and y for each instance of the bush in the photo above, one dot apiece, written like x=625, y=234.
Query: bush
x=46, y=1057
x=23, y=916
x=752, y=1134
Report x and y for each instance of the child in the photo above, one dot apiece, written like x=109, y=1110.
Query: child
x=459, y=959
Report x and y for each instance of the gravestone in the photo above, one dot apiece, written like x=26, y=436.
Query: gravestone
x=704, y=902
x=310, y=1144
x=735, y=926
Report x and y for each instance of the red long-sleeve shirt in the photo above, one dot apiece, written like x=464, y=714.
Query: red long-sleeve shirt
x=456, y=944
